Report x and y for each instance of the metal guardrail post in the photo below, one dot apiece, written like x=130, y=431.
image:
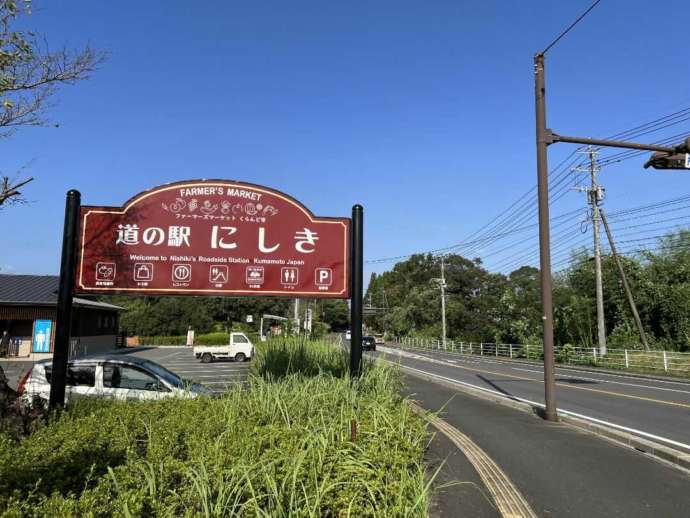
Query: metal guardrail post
x=665, y=362
x=627, y=363
x=481, y=348
x=511, y=351
x=496, y=348
x=594, y=354
x=461, y=351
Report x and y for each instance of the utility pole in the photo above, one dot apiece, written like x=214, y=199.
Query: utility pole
x=595, y=194
x=442, y=286
x=443, y=300
x=626, y=286
x=666, y=157
x=543, y=140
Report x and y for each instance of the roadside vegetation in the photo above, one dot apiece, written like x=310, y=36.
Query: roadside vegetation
x=166, y=319
x=304, y=440
x=491, y=307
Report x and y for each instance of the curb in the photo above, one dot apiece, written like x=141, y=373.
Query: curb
x=677, y=458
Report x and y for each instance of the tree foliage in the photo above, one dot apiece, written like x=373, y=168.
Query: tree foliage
x=172, y=316
x=489, y=307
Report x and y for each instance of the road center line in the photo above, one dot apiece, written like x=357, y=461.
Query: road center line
x=608, y=381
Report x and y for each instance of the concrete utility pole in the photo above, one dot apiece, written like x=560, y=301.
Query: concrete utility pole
x=543, y=140
x=666, y=157
x=626, y=286
x=595, y=194
x=443, y=299
x=442, y=286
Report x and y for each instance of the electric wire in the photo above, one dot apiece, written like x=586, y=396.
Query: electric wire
x=570, y=27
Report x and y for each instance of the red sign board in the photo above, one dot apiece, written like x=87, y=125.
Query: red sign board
x=212, y=237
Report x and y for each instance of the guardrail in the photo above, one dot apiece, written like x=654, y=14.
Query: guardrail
x=670, y=362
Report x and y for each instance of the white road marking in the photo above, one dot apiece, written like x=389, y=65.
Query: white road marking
x=224, y=382
x=218, y=377
x=176, y=353
x=481, y=359
x=562, y=410
x=211, y=366
x=608, y=381
x=207, y=366
x=187, y=374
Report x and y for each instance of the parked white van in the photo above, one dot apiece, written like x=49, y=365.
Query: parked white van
x=117, y=376
x=239, y=348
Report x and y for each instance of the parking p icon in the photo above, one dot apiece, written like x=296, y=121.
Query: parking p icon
x=323, y=277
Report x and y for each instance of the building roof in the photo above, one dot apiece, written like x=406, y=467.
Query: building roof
x=40, y=290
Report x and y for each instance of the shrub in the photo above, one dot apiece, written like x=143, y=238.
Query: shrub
x=282, y=448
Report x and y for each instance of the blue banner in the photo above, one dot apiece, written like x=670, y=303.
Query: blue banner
x=43, y=331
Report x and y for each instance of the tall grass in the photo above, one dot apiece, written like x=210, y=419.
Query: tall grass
x=282, y=448
x=284, y=356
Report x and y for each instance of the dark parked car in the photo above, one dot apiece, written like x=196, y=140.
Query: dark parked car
x=368, y=343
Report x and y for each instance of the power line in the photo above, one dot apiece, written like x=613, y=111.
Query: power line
x=570, y=27
x=561, y=240
x=523, y=209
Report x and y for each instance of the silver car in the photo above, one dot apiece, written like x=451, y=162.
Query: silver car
x=113, y=376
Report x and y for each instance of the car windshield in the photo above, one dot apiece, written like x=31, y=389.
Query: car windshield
x=163, y=373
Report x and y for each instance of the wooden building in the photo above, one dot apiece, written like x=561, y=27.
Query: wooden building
x=28, y=308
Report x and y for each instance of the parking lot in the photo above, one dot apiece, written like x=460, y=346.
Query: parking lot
x=217, y=376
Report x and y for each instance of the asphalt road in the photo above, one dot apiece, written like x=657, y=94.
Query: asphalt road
x=217, y=376
x=657, y=409
x=561, y=471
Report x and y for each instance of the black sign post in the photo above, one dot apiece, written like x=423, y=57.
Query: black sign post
x=331, y=278
x=356, y=289
x=64, y=304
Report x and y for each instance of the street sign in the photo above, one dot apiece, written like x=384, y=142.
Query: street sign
x=212, y=237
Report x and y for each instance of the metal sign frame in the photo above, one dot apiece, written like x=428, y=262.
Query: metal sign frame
x=70, y=259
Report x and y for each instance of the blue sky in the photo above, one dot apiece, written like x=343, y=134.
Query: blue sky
x=421, y=111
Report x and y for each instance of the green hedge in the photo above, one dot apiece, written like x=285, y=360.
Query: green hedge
x=216, y=338
x=281, y=448
x=163, y=340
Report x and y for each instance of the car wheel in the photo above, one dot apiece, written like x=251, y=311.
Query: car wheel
x=206, y=358
x=240, y=357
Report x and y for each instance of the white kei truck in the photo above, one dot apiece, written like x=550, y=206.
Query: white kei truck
x=240, y=348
